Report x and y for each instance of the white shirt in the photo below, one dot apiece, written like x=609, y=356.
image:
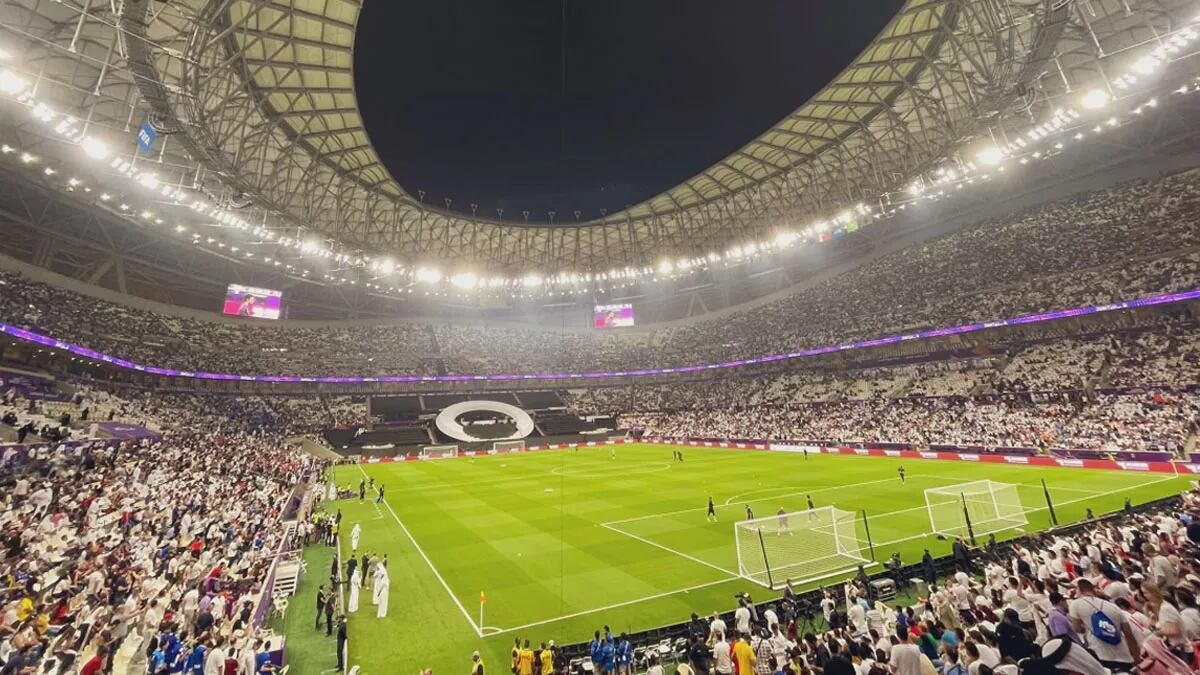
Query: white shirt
x=741, y=619
x=722, y=658
x=772, y=619
x=905, y=659
x=1082, y=609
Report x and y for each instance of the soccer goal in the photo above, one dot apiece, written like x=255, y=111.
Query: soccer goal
x=508, y=446
x=800, y=546
x=439, y=451
x=973, y=509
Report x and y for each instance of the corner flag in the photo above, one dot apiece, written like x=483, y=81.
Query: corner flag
x=482, y=598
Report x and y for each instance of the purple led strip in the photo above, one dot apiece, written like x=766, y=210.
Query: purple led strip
x=30, y=336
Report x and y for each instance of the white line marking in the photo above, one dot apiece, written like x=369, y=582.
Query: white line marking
x=727, y=503
x=570, y=472
x=626, y=603
x=669, y=550
x=449, y=591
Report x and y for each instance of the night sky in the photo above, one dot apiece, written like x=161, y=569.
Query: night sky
x=463, y=99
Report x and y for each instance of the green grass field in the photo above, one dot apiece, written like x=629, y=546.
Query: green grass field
x=563, y=542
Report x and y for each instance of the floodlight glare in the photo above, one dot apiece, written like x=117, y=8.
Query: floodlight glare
x=11, y=83
x=990, y=156
x=464, y=280
x=428, y=275
x=1095, y=99
x=94, y=148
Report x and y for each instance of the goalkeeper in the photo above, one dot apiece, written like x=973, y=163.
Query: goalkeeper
x=783, y=521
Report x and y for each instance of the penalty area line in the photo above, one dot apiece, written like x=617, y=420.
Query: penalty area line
x=626, y=603
x=467, y=615
x=681, y=554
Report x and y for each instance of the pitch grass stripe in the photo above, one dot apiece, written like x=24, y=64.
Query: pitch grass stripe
x=426, y=486
x=727, y=503
x=467, y=615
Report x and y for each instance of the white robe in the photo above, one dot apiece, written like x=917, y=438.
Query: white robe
x=332, y=491
x=354, y=535
x=381, y=596
x=355, y=588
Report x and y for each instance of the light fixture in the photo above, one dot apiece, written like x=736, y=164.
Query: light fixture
x=990, y=155
x=11, y=83
x=428, y=275
x=1095, y=99
x=94, y=147
x=464, y=280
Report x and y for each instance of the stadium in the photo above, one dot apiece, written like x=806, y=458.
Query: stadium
x=907, y=381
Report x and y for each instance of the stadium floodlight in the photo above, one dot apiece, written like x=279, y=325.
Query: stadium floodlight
x=464, y=280
x=428, y=275
x=665, y=267
x=12, y=84
x=1145, y=65
x=386, y=266
x=991, y=155
x=1095, y=99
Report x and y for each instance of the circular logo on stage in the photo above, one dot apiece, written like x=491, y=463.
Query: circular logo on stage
x=450, y=421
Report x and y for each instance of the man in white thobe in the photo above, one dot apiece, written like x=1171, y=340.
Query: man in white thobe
x=381, y=594
x=354, y=535
x=332, y=491
x=355, y=589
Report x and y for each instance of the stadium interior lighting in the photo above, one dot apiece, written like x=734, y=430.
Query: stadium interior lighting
x=1095, y=99
x=464, y=280
x=428, y=275
x=990, y=156
x=12, y=84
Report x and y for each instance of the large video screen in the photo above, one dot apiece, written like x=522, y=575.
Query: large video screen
x=614, y=316
x=260, y=303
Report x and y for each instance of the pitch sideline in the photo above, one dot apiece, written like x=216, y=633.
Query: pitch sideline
x=467, y=615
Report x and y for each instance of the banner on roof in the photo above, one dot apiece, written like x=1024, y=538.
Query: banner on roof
x=145, y=137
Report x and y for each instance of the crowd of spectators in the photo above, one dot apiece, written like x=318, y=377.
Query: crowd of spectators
x=1131, y=240
x=146, y=557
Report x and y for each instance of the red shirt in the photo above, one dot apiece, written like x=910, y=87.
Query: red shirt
x=93, y=665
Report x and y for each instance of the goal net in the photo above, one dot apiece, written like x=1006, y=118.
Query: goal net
x=798, y=546
x=508, y=446
x=437, y=451
x=979, y=507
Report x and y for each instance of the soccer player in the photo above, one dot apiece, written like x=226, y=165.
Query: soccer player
x=901, y=471
x=749, y=513
x=712, y=510
x=783, y=521
x=811, y=506
x=379, y=499
x=525, y=660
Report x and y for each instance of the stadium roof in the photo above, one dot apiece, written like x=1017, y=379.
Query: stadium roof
x=256, y=101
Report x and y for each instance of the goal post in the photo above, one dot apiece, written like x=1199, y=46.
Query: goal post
x=438, y=451
x=976, y=508
x=799, y=546
x=508, y=446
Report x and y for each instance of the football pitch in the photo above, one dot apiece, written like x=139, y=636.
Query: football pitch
x=562, y=542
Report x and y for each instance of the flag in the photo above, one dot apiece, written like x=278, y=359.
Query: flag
x=852, y=226
x=482, y=598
